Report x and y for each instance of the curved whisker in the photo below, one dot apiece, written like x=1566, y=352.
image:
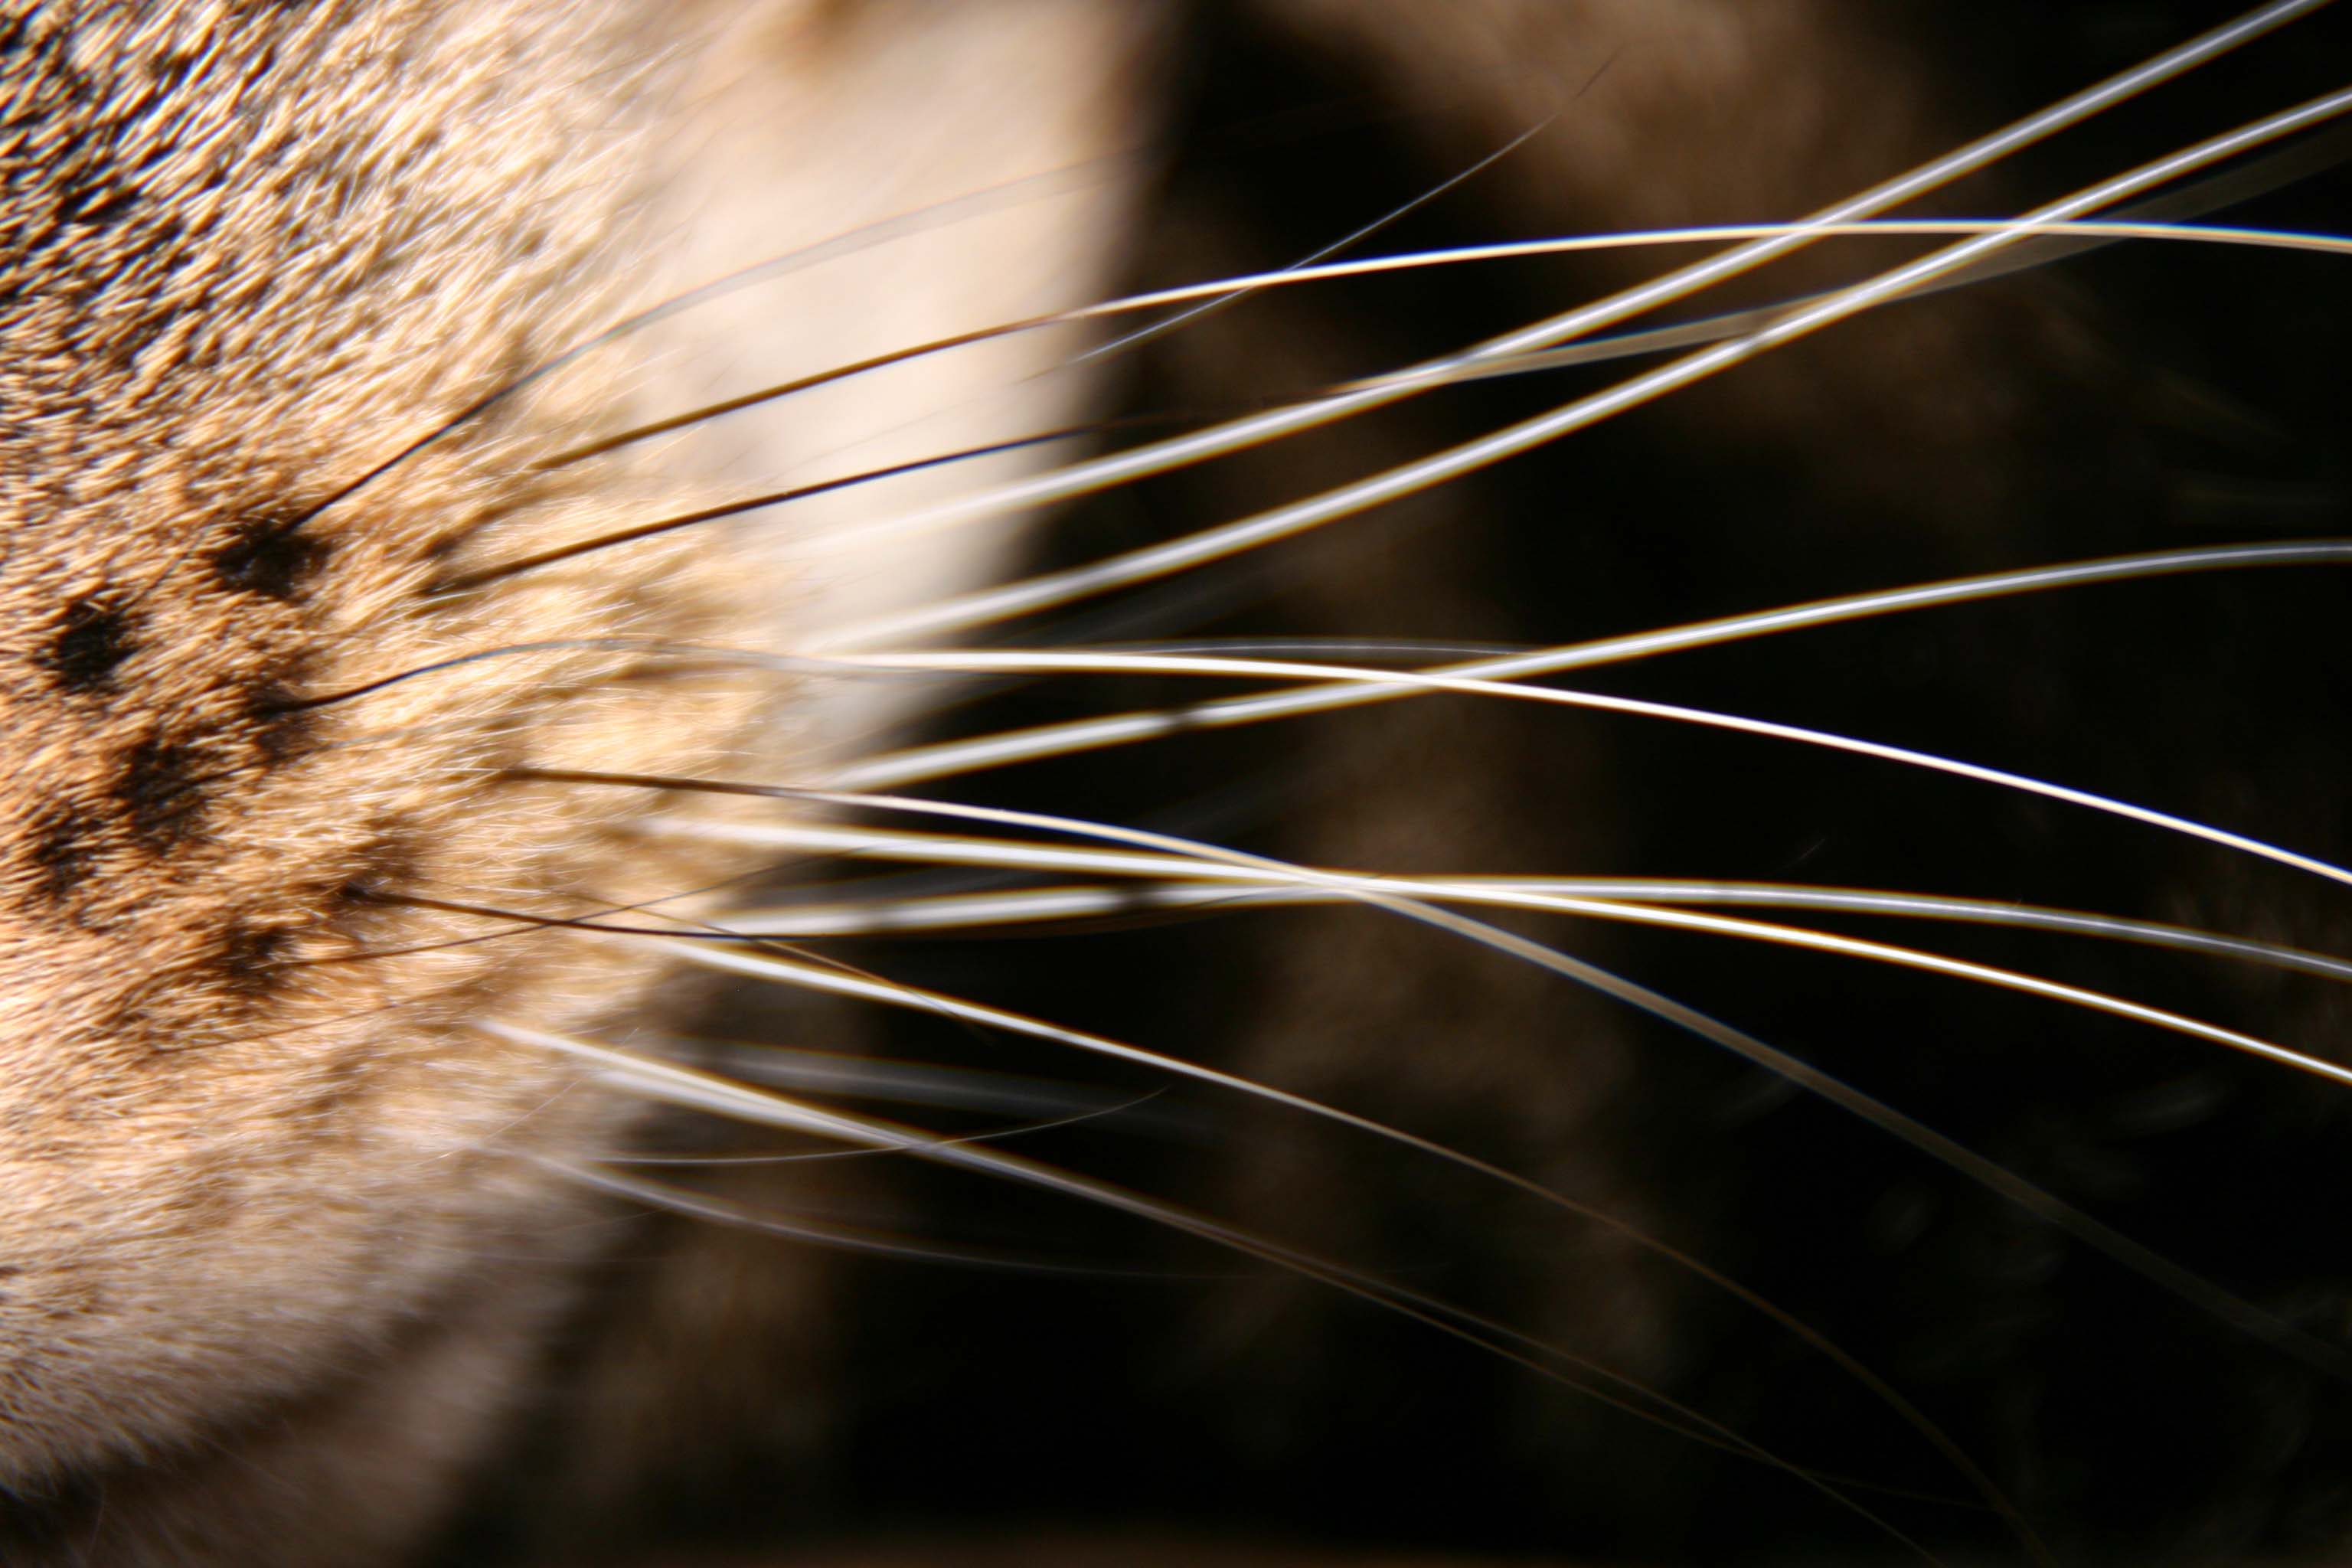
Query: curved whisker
x=1211, y=298
x=835, y=981
x=482, y=577
x=990, y=1135
x=680, y=1086
x=923, y=765
x=673, y=1199
x=1516, y=893
x=1105, y=472
x=511, y=922
x=952, y=849
x=463, y=479
x=2222, y=1305
x=946, y=912
x=1709, y=330
x=1205, y=297
x=1224, y=298
x=1063, y=588
x=984, y=660
x=950, y=913
x=1048, y=1102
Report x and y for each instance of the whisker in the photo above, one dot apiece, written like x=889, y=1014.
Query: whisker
x=676, y=928
x=967, y=911
x=677, y=1200
x=513, y=923
x=683, y=1087
x=1598, y=350
x=1342, y=885
x=923, y=765
x=2278, y=169
x=949, y=759
x=2080, y=233
x=933, y=849
x=2163, y=217
x=1019, y=661
x=991, y=1135
x=1710, y=330
x=718, y=511
x=650, y=647
x=895, y=994
x=1360, y=648
x=1047, y=182
x=946, y=912
x=2221, y=1304
x=915, y=1083
x=2080, y=229
x=1122, y=468
x=1225, y=298
x=469, y=581
x=2162, y=68
x=1061, y=587
x=1716, y=329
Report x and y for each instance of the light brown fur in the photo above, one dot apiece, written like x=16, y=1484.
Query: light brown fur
x=274, y=277
x=281, y=1254
x=253, y=1167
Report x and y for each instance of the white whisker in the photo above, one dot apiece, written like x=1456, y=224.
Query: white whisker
x=1344, y=885
x=1062, y=587
x=923, y=765
x=1213, y=294
x=943, y=849
x=907, y=1083
x=670, y=1084
x=2221, y=1304
x=1231, y=882
x=970, y=911
x=1103, y=473
x=1017, y=661
x=860, y=986
x=2286, y=239
x=1234, y=889
x=1232, y=291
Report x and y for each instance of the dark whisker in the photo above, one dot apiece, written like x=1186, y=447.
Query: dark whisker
x=653, y=648
x=962, y=340
x=514, y=923
x=488, y=574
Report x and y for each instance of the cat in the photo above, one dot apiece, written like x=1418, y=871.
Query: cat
x=385, y=383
